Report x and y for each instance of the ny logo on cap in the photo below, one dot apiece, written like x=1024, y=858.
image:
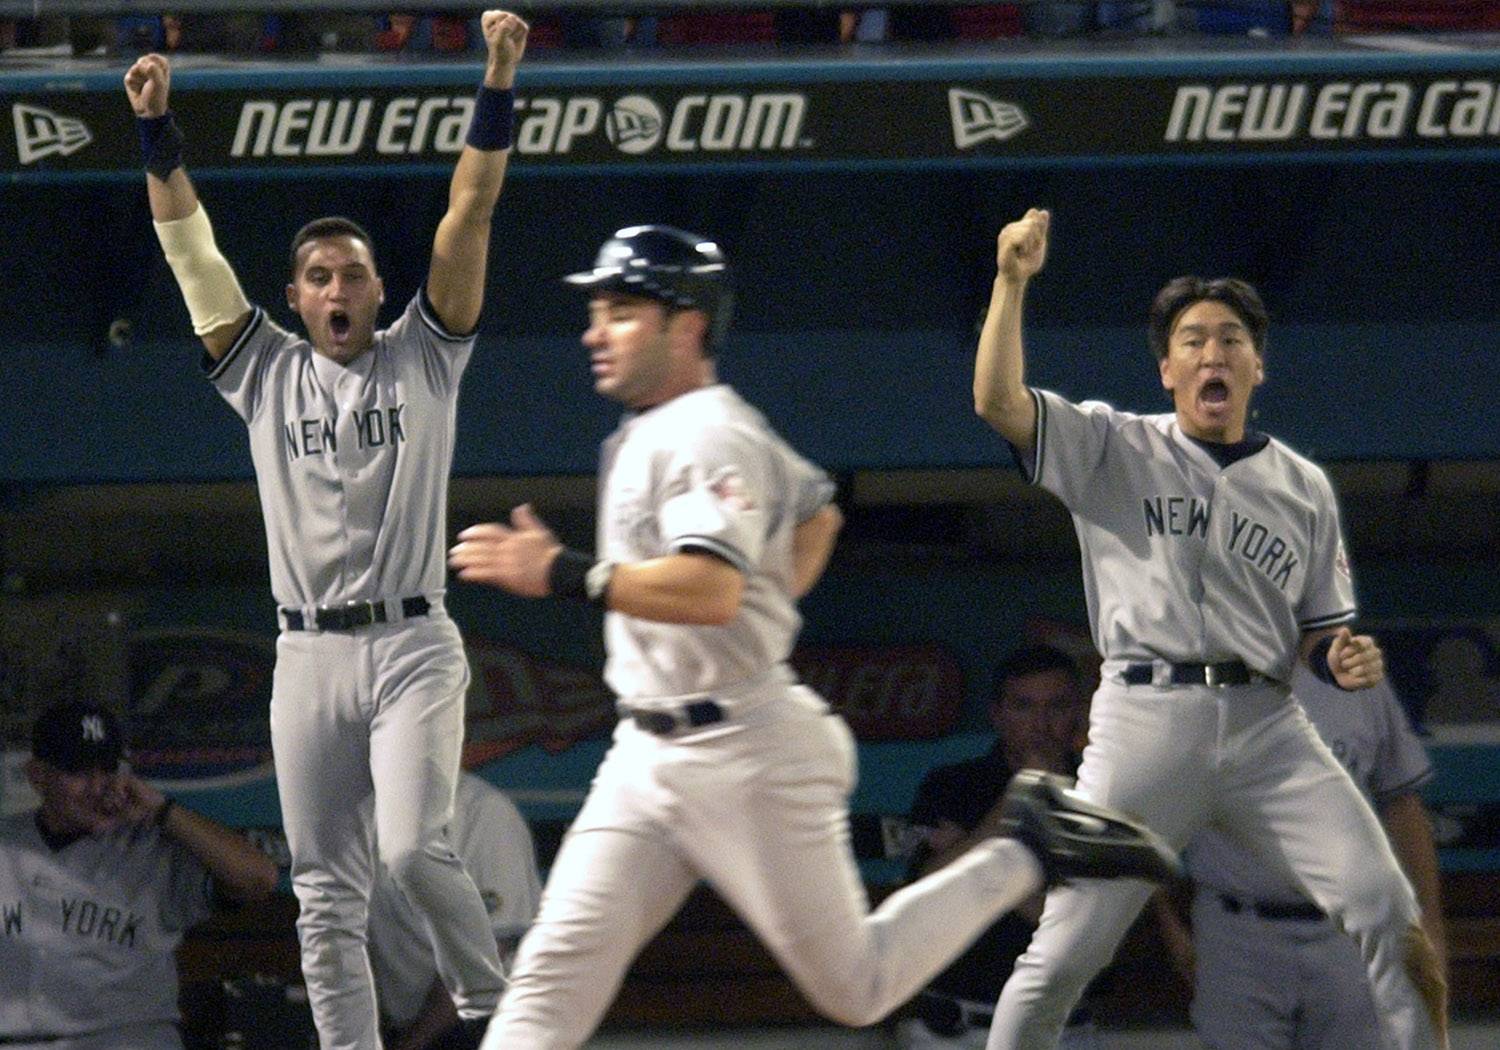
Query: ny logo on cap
x=93, y=728
x=41, y=133
x=978, y=117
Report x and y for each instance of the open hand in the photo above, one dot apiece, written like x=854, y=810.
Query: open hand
x=516, y=557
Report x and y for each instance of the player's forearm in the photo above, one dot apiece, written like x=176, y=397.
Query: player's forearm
x=1410, y=831
x=171, y=198
x=1000, y=394
x=242, y=870
x=688, y=588
x=812, y=545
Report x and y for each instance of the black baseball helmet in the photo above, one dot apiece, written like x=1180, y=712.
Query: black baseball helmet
x=679, y=268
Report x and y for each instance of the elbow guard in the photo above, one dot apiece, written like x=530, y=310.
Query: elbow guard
x=208, y=284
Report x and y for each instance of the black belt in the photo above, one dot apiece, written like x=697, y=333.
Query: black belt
x=1271, y=909
x=1232, y=673
x=355, y=614
x=666, y=723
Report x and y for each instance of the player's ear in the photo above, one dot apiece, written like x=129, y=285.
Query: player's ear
x=1260, y=368
x=691, y=324
x=1166, y=375
x=291, y=295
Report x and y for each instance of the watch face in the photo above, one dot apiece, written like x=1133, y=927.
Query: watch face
x=596, y=580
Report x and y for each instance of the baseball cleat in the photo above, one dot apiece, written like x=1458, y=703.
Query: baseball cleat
x=1077, y=839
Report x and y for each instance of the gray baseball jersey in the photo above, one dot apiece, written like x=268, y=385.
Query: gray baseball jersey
x=1369, y=734
x=90, y=929
x=352, y=461
x=1185, y=561
x=491, y=838
x=1188, y=561
x=704, y=471
x=754, y=803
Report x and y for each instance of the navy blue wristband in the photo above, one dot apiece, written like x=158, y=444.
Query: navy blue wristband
x=1317, y=661
x=494, y=115
x=161, y=144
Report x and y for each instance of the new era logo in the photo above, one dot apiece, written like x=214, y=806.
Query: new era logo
x=977, y=118
x=41, y=133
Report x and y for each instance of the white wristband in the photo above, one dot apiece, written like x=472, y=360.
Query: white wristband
x=208, y=284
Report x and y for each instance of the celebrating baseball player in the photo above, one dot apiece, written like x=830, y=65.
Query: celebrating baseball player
x=723, y=767
x=351, y=431
x=1251, y=926
x=1213, y=563
x=97, y=888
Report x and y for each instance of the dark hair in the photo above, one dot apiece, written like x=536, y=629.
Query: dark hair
x=1183, y=292
x=1033, y=659
x=331, y=226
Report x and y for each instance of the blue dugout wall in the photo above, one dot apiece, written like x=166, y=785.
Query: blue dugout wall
x=859, y=198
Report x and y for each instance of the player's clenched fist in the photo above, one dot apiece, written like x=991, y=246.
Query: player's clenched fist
x=505, y=36
x=517, y=557
x=1023, y=245
x=1355, y=660
x=146, y=84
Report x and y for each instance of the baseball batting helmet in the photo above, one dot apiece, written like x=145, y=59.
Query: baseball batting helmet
x=681, y=269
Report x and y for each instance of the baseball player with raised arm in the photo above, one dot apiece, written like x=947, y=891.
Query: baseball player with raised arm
x=98, y=887
x=723, y=766
x=1213, y=563
x=351, y=431
x=1252, y=927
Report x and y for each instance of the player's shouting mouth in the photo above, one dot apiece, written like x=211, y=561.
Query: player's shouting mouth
x=1211, y=367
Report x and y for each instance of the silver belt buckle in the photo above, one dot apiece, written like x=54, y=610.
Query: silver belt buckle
x=1211, y=676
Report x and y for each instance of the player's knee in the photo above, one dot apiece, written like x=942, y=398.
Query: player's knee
x=410, y=866
x=1065, y=972
x=850, y=998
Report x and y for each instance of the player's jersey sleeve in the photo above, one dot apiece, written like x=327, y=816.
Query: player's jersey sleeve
x=1401, y=764
x=189, y=888
x=241, y=374
x=812, y=489
x=443, y=354
x=1069, y=445
x=1328, y=597
x=718, y=495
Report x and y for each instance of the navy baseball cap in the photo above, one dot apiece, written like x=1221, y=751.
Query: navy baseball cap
x=77, y=737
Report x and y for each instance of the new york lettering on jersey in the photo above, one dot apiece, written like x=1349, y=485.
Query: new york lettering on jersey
x=377, y=427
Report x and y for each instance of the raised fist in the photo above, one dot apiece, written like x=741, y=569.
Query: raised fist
x=1022, y=247
x=146, y=84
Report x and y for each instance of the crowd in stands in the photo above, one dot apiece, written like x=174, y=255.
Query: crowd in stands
x=456, y=33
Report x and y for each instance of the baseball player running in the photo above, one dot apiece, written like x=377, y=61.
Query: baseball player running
x=351, y=432
x=1213, y=563
x=723, y=767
